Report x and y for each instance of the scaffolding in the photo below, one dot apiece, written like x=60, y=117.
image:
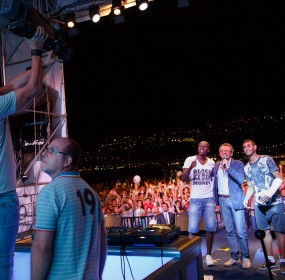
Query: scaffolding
x=32, y=131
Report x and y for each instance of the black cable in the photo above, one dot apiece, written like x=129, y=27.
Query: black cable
x=122, y=252
x=161, y=255
x=123, y=267
x=123, y=255
x=129, y=266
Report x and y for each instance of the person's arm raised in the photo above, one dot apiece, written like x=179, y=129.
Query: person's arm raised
x=18, y=81
x=25, y=93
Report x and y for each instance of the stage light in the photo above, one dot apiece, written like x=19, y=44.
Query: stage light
x=94, y=13
x=117, y=7
x=117, y=11
x=142, y=4
x=70, y=20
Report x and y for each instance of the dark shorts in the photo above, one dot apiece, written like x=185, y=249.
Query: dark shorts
x=270, y=217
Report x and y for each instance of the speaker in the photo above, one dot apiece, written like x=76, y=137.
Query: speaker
x=181, y=220
x=113, y=220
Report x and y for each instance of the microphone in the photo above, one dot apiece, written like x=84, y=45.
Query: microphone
x=224, y=165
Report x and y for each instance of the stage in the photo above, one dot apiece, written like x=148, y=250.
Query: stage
x=178, y=258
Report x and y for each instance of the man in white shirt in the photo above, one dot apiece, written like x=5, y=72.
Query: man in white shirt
x=198, y=169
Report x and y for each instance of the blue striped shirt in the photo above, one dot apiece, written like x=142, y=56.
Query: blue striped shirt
x=71, y=208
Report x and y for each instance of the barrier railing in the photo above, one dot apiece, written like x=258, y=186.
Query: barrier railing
x=181, y=220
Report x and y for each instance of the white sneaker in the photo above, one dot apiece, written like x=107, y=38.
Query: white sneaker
x=246, y=264
x=209, y=261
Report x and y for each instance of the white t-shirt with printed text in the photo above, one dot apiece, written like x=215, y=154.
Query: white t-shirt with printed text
x=200, y=178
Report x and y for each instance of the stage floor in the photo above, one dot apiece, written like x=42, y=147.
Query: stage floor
x=221, y=254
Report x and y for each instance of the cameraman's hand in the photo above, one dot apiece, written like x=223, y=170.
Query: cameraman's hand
x=38, y=40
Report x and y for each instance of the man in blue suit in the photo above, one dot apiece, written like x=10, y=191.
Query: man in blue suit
x=165, y=218
x=228, y=177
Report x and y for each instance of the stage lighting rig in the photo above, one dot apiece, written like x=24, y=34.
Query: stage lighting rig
x=24, y=21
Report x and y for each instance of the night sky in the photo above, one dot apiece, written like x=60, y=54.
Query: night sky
x=171, y=67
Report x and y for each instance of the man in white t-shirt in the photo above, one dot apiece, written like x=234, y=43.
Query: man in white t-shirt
x=198, y=169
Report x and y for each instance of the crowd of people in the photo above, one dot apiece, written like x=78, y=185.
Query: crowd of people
x=70, y=238
x=147, y=198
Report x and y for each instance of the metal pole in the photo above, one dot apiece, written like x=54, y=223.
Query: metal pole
x=260, y=234
x=3, y=59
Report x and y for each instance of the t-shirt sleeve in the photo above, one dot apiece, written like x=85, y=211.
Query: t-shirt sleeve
x=7, y=104
x=46, y=210
x=188, y=161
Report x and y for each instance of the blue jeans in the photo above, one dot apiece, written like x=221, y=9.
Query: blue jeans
x=202, y=207
x=236, y=228
x=9, y=223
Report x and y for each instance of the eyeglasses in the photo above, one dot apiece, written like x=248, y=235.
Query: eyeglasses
x=51, y=150
x=225, y=151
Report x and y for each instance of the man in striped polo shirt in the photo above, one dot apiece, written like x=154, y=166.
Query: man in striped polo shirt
x=70, y=240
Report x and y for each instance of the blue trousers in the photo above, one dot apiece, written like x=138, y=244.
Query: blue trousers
x=236, y=228
x=9, y=223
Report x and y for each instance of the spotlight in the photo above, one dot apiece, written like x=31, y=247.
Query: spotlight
x=94, y=13
x=142, y=4
x=117, y=7
x=117, y=11
x=70, y=20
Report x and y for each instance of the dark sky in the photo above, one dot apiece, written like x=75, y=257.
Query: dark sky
x=174, y=67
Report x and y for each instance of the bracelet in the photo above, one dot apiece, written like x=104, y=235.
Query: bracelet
x=36, y=52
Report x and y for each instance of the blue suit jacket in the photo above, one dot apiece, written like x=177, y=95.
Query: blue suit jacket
x=236, y=178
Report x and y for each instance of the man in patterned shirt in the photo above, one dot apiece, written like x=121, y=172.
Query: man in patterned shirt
x=264, y=181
